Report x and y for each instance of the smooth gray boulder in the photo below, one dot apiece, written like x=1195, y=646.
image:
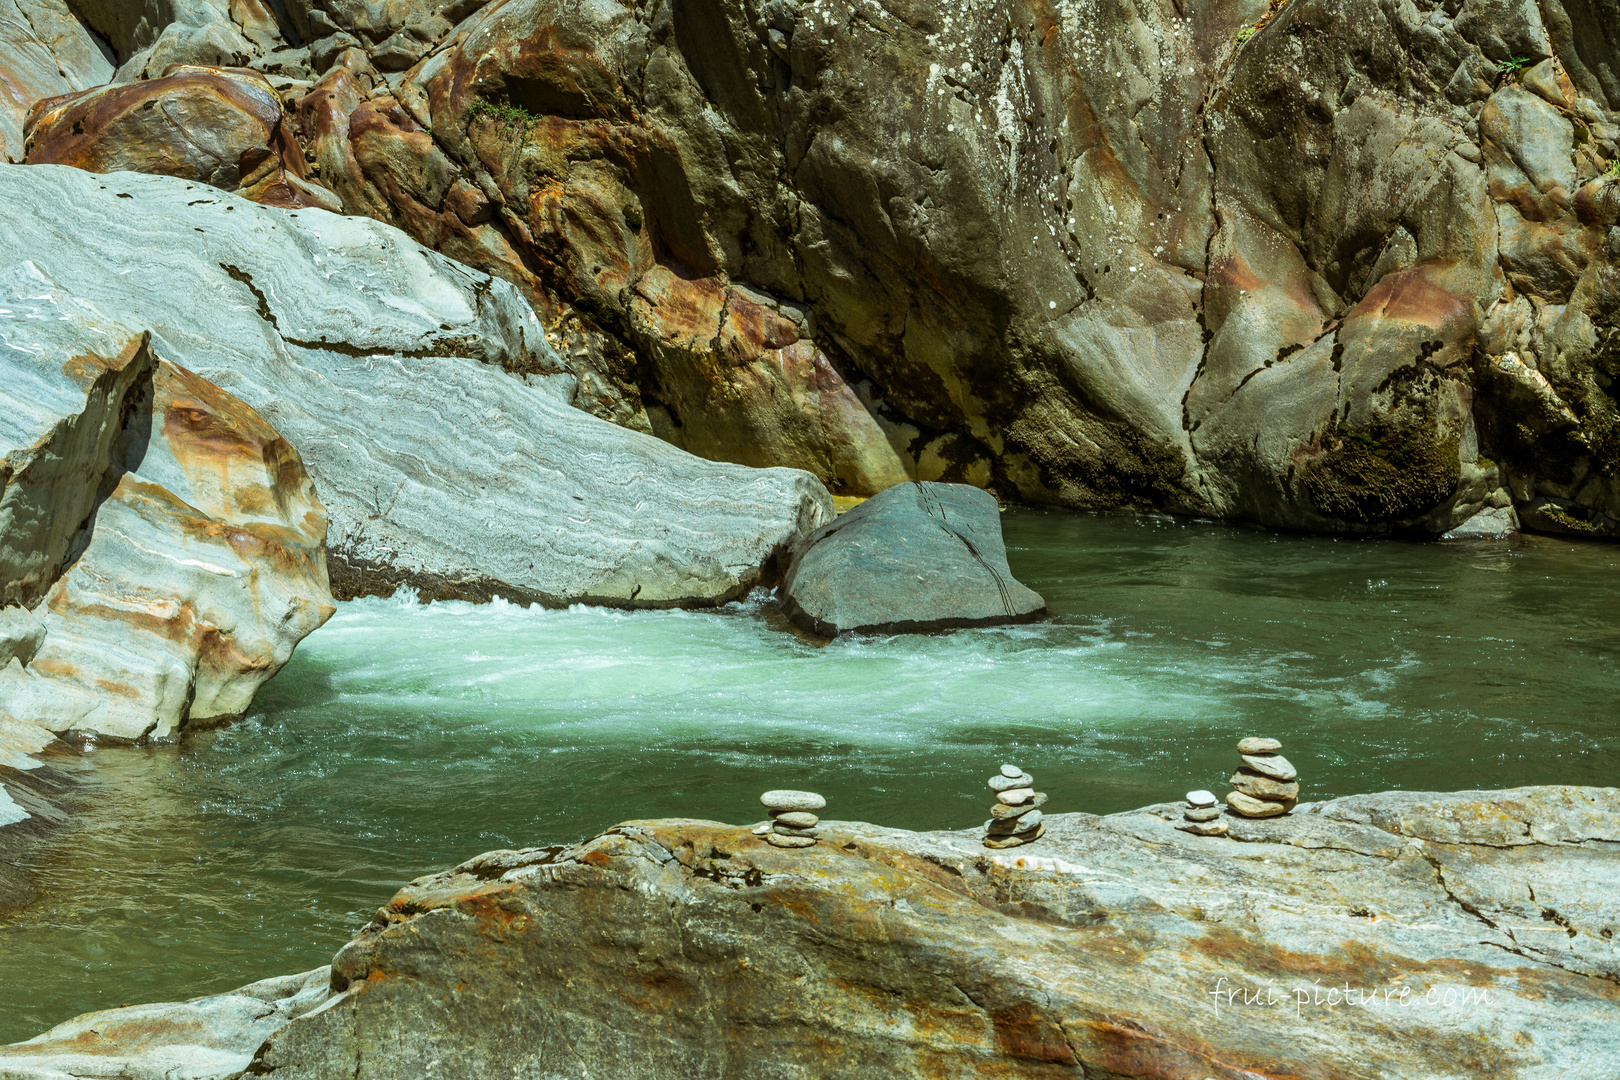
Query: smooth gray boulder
x=916, y=557
x=415, y=390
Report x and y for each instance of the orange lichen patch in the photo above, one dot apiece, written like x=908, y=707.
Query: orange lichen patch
x=1123, y=1047
x=685, y=311
x=1412, y=296
x=1357, y=963
x=1022, y=1031
x=751, y=329
x=88, y=368
x=121, y=689
x=1234, y=272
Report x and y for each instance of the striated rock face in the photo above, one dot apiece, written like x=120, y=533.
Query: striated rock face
x=415, y=390
x=1393, y=935
x=203, y=569
x=44, y=51
x=917, y=557
x=219, y=126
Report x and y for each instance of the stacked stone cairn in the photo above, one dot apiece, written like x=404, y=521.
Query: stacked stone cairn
x=1267, y=784
x=1202, y=815
x=793, y=818
x=1015, y=819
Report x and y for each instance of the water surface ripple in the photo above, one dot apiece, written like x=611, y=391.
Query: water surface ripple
x=404, y=738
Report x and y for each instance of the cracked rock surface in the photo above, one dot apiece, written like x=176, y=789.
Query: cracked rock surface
x=1398, y=936
x=1337, y=265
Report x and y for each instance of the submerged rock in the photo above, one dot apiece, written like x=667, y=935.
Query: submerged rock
x=917, y=557
x=421, y=395
x=1366, y=936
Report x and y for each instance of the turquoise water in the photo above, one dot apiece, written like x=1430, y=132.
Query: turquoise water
x=404, y=738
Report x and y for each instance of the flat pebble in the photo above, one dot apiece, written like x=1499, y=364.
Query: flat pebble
x=1002, y=783
x=776, y=839
x=789, y=830
x=1016, y=825
x=1253, y=745
x=799, y=819
x=1001, y=811
x=1264, y=787
x=1204, y=828
x=1201, y=798
x=793, y=800
x=1015, y=796
x=1249, y=806
x=1202, y=813
x=1015, y=840
x=761, y=830
x=1273, y=765
x=1012, y=771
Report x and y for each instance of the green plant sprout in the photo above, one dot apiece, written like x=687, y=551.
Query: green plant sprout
x=1512, y=66
x=1245, y=34
x=502, y=114
x=1613, y=171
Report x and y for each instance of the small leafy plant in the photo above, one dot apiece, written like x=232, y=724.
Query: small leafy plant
x=1245, y=34
x=502, y=114
x=1511, y=67
x=1613, y=171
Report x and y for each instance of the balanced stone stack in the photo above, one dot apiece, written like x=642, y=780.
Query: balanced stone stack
x=1203, y=815
x=1015, y=819
x=793, y=818
x=1267, y=784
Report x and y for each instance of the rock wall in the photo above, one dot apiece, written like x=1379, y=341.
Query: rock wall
x=1345, y=267
x=1401, y=934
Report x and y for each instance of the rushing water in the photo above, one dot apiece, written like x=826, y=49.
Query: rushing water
x=404, y=738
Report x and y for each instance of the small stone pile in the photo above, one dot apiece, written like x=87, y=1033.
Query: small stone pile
x=793, y=819
x=1267, y=784
x=1015, y=819
x=1203, y=815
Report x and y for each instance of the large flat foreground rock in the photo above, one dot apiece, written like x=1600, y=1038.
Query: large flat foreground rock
x=1398, y=936
x=415, y=389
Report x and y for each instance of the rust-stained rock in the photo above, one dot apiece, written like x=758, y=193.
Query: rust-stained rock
x=201, y=569
x=220, y=126
x=1392, y=935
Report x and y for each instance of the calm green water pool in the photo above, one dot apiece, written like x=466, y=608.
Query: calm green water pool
x=405, y=738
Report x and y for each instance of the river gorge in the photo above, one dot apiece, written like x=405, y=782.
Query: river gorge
x=404, y=737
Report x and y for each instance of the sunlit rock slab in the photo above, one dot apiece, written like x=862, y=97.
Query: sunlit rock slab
x=917, y=557
x=382, y=364
x=208, y=1038
x=1115, y=946
x=44, y=51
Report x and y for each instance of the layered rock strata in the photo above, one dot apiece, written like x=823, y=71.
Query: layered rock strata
x=917, y=557
x=1399, y=934
x=421, y=395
